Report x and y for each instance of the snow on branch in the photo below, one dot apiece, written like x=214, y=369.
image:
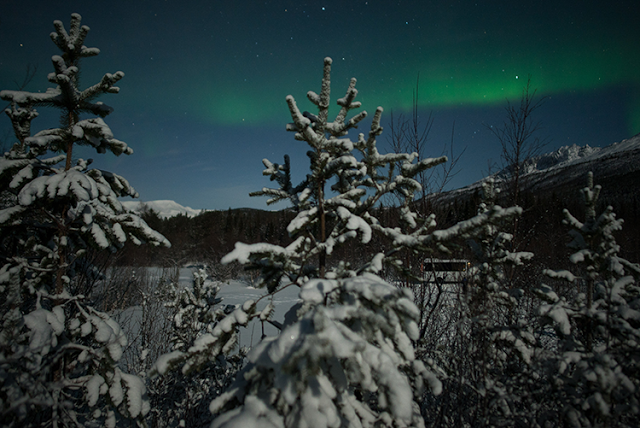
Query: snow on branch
x=560, y=274
x=97, y=133
x=69, y=183
x=243, y=253
x=23, y=98
x=72, y=42
x=310, y=372
x=105, y=86
x=301, y=124
x=412, y=169
x=221, y=340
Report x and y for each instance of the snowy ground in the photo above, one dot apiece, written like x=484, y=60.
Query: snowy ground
x=236, y=293
x=232, y=293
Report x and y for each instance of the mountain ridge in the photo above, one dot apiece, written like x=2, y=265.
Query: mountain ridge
x=164, y=208
x=568, y=166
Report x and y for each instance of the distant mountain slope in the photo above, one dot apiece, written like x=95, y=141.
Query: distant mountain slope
x=562, y=156
x=615, y=167
x=164, y=208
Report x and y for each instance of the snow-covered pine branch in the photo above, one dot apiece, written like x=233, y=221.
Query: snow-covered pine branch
x=341, y=348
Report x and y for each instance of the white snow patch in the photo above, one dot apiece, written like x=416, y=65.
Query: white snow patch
x=164, y=208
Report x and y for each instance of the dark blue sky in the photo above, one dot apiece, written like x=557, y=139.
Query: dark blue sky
x=202, y=100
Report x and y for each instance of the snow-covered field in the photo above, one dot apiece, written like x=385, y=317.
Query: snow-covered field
x=232, y=293
x=235, y=293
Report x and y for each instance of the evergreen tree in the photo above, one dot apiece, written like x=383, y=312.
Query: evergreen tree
x=497, y=341
x=345, y=356
x=595, y=371
x=58, y=355
x=180, y=400
x=485, y=350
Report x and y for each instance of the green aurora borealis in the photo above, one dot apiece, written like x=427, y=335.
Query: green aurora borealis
x=482, y=71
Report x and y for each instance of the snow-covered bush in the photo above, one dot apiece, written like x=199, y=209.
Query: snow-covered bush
x=58, y=355
x=594, y=368
x=149, y=323
x=194, y=308
x=180, y=400
x=348, y=360
x=486, y=352
x=500, y=342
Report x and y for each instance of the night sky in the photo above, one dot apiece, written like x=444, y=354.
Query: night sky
x=203, y=97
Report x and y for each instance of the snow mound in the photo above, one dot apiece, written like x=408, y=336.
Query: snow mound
x=164, y=208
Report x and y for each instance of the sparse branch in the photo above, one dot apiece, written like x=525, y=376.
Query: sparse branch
x=412, y=135
x=30, y=73
x=517, y=137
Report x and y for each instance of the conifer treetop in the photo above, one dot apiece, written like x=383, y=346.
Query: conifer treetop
x=347, y=179
x=69, y=98
x=72, y=43
x=305, y=125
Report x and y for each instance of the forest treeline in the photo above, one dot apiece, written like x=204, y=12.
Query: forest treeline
x=206, y=238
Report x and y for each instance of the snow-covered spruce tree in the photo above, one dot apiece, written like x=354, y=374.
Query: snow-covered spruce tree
x=194, y=313
x=595, y=371
x=345, y=356
x=495, y=343
x=485, y=356
x=179, y=400
x=58, y=355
